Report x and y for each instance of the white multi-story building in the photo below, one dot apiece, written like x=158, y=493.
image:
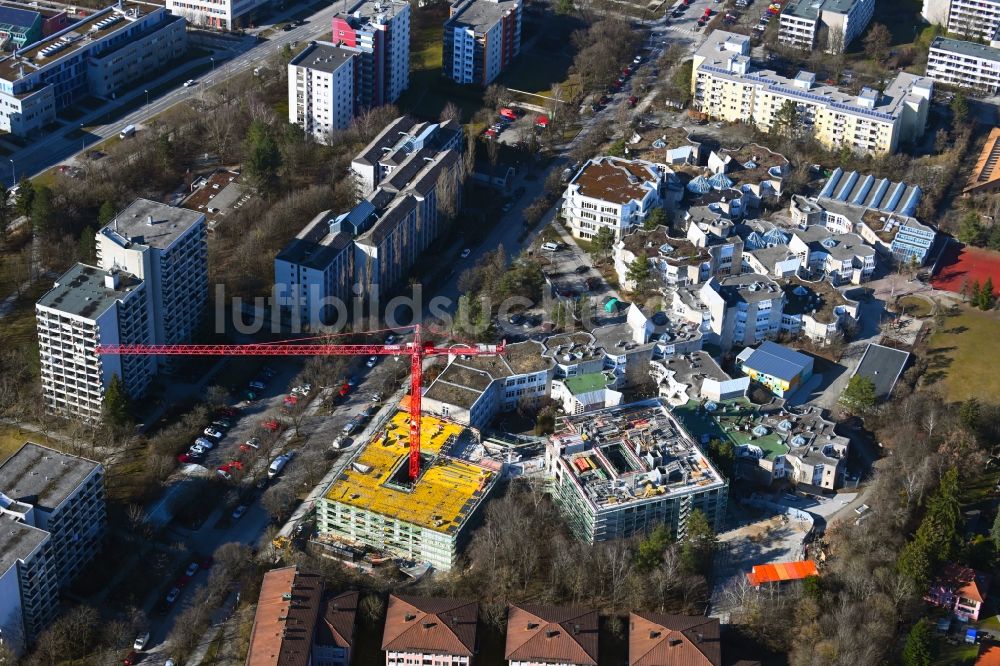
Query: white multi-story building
x=841, y=21
x=100, y=56
x=472, y=391
x=725, y=84
x=964, y=64
x=840, y=258
x=321, y=89
x=52, y=520
x=974, y=19
x=380, y=30
x=481, y=39
x=87, y=307
x=737, y=310
x=614, y=193
x=426, y=630
x=167, y=248
x=408, y=177
x=218, y=14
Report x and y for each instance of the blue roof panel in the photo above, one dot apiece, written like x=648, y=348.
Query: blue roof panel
x=22, y=18
x=776, y=361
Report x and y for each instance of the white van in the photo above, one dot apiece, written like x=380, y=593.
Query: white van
x=127, y=132
x=277, y=465
x=550, y=247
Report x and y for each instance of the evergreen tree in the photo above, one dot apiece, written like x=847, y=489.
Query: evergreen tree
x=995, y=532
x=651, y=549
x=25, y=196
x=262, y=156
x=969, y=414
x=970, y=229
x=43, y=212
x=87, y=246
x=604, y=240
x=117, y=412
x=105, y=214
x=786, y=120
x=919, y=648
x=657, y=217
x=698, y=545
x=859, y=394
x=986, y=298
x=638, y=272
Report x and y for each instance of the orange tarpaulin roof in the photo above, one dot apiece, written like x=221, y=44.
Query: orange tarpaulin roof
x=782, y=571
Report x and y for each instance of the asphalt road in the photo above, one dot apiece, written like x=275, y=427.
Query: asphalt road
x=242, y=56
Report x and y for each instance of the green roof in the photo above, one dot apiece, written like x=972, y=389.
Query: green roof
x=594, y=381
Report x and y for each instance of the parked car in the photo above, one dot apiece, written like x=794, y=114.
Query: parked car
x=191, y=570
x=256, y=385
x=516, y=319
x=173, y=594
x=271, y=425
x=465, y=253
x=212, y=432
x=205, y=442
x=197, y=450
x=239, y=511
x=131, y=658
x=141, y=640
x=222, y=424
x=185, y=458
x=372, y=360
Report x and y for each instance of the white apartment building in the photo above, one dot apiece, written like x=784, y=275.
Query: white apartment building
x=473, y=391
x=321, y=89
x=481, y=39
x=725, y=84
x=52, y=520
x=87, y=307
x=100, y=55
x=974, y=19
x=380, y=30
x=426, y=630
x=964, y=65
x=738, y=310
x=167, y=248
x=614, y=193
x=218, y=14
x=843, y=21
x=842, y=258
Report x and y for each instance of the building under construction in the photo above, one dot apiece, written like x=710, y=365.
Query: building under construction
x=625, y=470
x=374, y=503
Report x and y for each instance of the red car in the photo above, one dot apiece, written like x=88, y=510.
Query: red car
x=235, y=464
x=132, y=658
x=271, y=425
x=632, y=101
x=184, y=458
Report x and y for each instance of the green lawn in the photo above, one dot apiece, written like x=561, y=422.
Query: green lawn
x=11, y=439
x=956, y=354
x=915, y=306
x=536, y=73
x=956, y=655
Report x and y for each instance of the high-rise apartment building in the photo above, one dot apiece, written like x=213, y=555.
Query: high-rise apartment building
x=52, y=520
x=965, y=64
x=725, y=84
x=838, y=22
x=481, y=39
x=218, y=14
x=974, y=19
x=99, y=56
x=167, y=248
x=87, y=307
x=322, y=89
x=380, y=30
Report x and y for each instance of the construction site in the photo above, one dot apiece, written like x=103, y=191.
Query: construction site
x=625, y=470
x=373, y=504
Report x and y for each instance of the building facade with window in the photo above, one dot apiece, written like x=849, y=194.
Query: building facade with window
x=322, y=92
x=964, y=64
x=380, y=30
x=217, y=14
x=612, y=193
x=839, y=22
x=726, y=84
x=481, y=39
x=101, y=55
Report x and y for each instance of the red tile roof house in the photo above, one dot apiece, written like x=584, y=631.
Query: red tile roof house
x=960, y=589
x=551, y=636
x=298, y=624
x=421, y=630
x=673, y=640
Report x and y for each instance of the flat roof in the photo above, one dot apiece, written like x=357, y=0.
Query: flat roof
x=76, y=36
x=81, y=291
x=658, y=243
x=776, y=361
x=16, y=17
x=818, y=299
x=616, y=180
x=17, y=541
x=970, y=49
x=481, y=15
x=324, y=56
x=748, y=287
x=465, y=379
x=588, y=383
x=630, y=453
x=883, y=366
x=810, y=9
x=42, y=476
x=151, y=223
x=446, y=492
x=363, y=14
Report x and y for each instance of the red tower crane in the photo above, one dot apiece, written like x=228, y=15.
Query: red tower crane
x=417, y=350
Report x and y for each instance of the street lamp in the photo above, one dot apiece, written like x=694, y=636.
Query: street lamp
x=147, y=97
x=83, y=139
x=13, y=175
x=213, y=64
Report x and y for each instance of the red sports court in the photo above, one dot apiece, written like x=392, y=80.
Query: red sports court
x=963, y=266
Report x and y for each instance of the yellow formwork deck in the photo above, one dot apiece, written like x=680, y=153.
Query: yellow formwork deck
x=444, y=494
